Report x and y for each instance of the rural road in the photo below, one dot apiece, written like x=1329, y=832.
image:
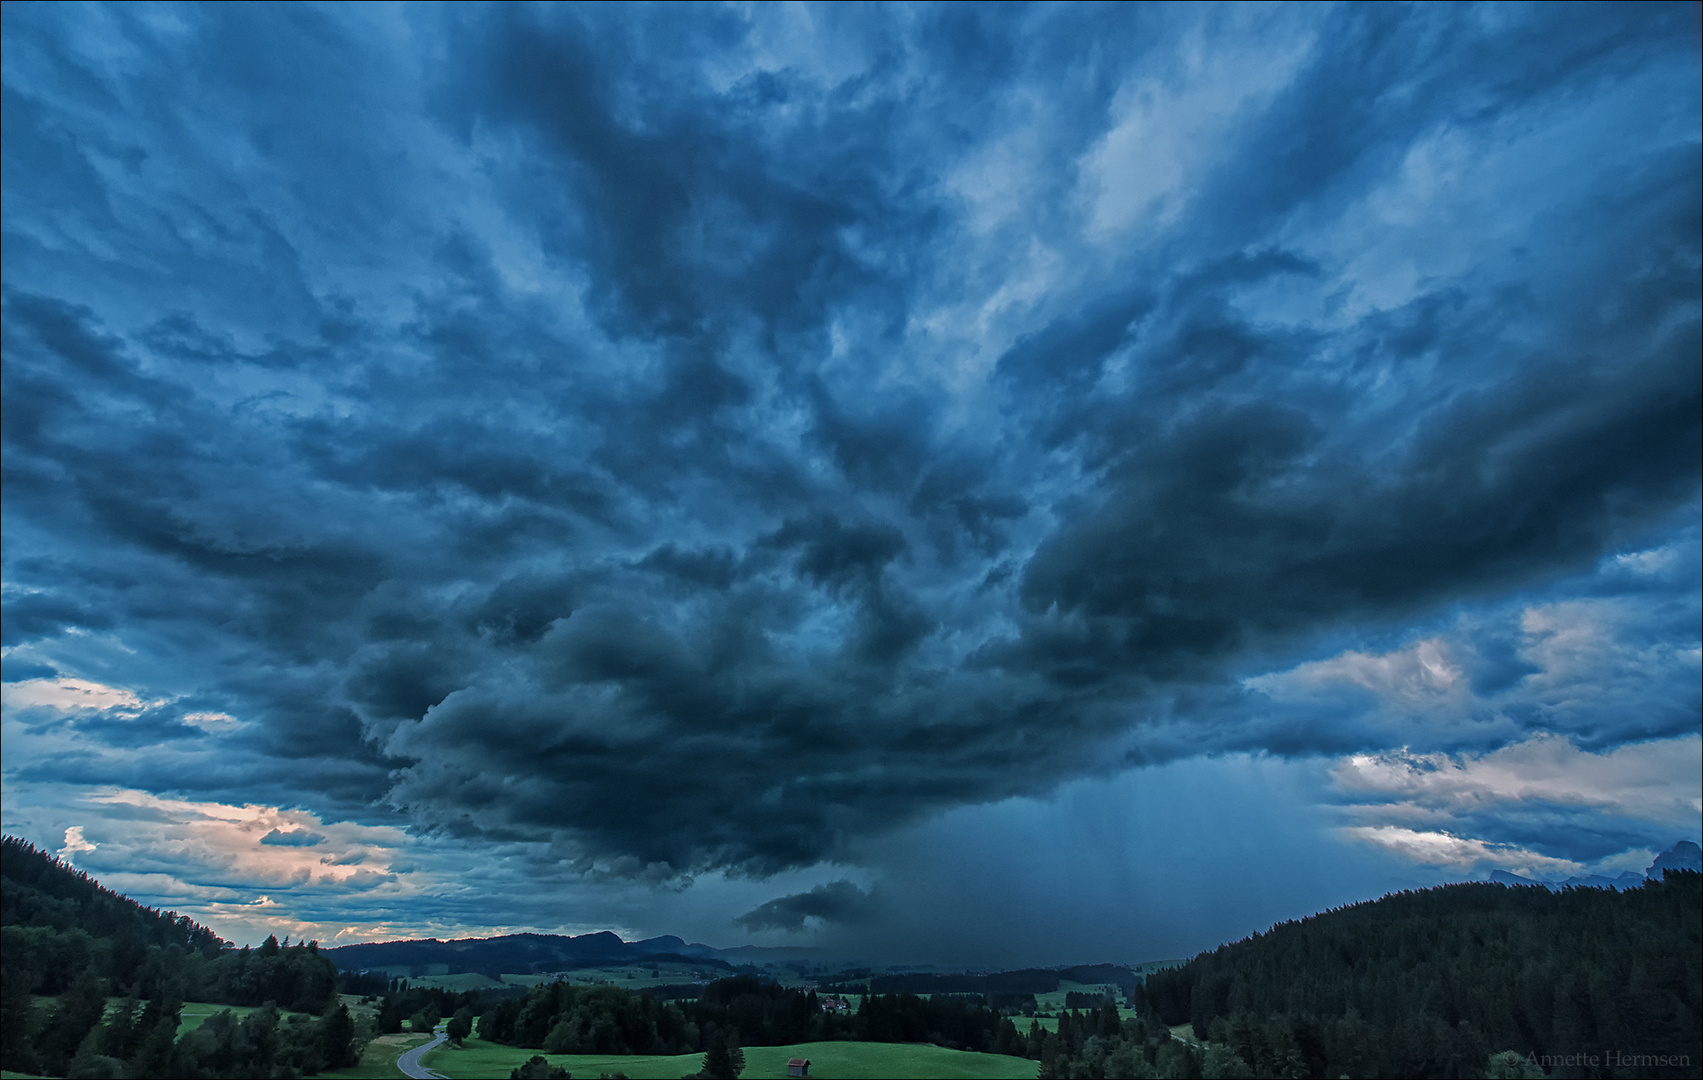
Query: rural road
x=409, y=1063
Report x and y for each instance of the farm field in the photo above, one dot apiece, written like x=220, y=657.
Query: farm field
x=829, y=1060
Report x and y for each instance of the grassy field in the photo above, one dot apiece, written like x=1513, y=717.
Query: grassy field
x=379, y=1060
x=1054, y=1001
x=1050, y=1023
x=849, y=1060
x=195, y=1013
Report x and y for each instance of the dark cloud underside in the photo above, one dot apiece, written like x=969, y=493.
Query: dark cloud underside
x=566, y=424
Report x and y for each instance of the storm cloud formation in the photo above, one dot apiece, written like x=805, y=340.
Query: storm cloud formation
x=836, y=902
x=709, y=440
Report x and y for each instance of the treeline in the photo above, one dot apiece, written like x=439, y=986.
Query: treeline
x=1007, y=1004
x=421, y=1007
x=292, y=977
x=745, y=1010
x=1098, y=1043
x=139, y=1039
x=64, y=936
x=1081, y=999
x=1434, y=982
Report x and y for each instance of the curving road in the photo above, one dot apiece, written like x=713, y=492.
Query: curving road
x=409, y=1063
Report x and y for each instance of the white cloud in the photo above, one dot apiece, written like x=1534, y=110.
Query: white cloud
x=360, y=883
x=1428, y=807
x=1654, y=561
x=1421, y=674
x=75, y=844
x=1461, y=854
x=1655, y=781
x=213, y=722
x=205, y=859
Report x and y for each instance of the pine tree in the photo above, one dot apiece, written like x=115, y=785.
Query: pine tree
x=119, y=1037
x=79, y=1012
x=337, y=1037
x=724, y=1061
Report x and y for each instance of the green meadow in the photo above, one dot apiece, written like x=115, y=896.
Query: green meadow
x=850, y=1060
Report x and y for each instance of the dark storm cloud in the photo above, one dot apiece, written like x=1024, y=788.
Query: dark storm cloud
x=836, y=902
x=1245, y=514
x=25, y=670
x=657, y=434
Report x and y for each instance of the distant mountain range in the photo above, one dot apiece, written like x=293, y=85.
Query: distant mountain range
x=540, y=954
x=522, y=954
x=1684, y=855
x=548, y=954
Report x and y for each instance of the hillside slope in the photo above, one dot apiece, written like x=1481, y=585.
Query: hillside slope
x=68, y=939
x=1430, y=983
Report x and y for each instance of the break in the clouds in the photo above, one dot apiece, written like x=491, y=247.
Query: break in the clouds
x=710, y=441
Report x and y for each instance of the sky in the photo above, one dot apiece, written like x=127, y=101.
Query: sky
x=976, y=485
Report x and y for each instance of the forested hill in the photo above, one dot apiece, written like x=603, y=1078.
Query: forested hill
x=1431, y=983
x=67, y=944
x=37, y=889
